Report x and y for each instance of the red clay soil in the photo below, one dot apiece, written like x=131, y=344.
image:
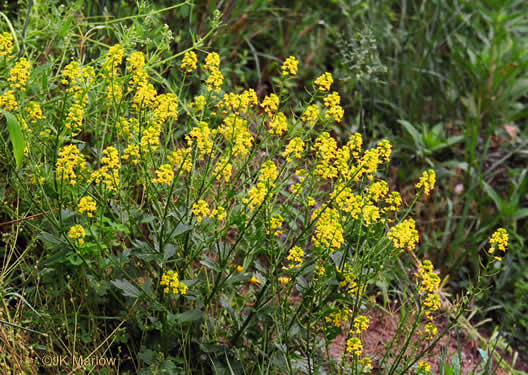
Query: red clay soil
x=382, y=329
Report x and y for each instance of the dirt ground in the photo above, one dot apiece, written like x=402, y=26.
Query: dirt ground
x=383, y=327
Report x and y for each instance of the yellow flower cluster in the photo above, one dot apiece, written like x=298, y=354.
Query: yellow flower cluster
x=68, y=160
x=257, y=193
x=361, y=323
x=181, y=158
x=295, y=258
x=75, y=118
x=404, y=235
x=349, y=280
x=77, y=77
x=328, y=232
x=325, y=147
x=278, y=125
x=499, y=240
x=354, y=346
x=429, y=286
x=324, y=81
x=34, y=112
x=201, y=210
x=8, y=101
x=235, y=131
x=216, y=78
x=338, y=318
x=19, y=74
x=223, y=169
x=189, y=62
x=332, y=102
x=172, y=284
x=164, y=175
x=6, y=44
x=270, y=104
x=290, y=66
x=347, y=201
x=296, y=147
x=276, y=222
x=198, y=104
x=427, y=181
x=430, y=330
x=393, y=202
x=202, y=135
x=77, y=233
x=166, y=108
x=424, y=367
x=87, y=204
x=238, y=103
x=114, y=58
x=311, y=114
x=108, y=173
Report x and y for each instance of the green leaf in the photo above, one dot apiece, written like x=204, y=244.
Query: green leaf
x=187, y=316
x=416, y=136
x=17, y=138
x=127, y=288
x=493, y=195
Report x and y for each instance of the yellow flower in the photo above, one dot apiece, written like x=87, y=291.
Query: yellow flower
x=290, y=66
x=75, y=118
x=198, y=104
x=189, y=62
x=223, y=169
x=19, y=74
x=114, y=58
x=235, y=131
x=171, y=283
x=284, y=280
x=254, y=280
x=328, y=231
x=295, y=258
x=278, y=125
x=144, y=97
x=404, y=235
x=384, y=150
x=212, y=61
x=424, y=367
x=338, y=318
x=296, y=147
x=108, y=173
x=8, y=101
x=311, y=114
x=164, y=175
x=87, y=204
x=499, y=240
x=181, y=158
x=361, y=323
x=324, y=81
x=354, y=346
x=166, y=107
x=430, y=331
x=215, y=80
x=427, y=181
x=275, y=223
x=132, y=153
x=77, y=233
x=268, y=173
x=219, y=213
x=202, y=135
x=6, y=44
x=69, y=160
x=270, y=104
x=136, y=65
x=239, y=268
x=201, y=210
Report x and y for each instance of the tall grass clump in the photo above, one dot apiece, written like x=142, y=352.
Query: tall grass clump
x=156, y=218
